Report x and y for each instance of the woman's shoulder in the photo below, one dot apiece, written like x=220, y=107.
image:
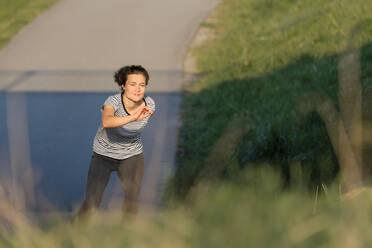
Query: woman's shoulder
x=115, y=97
x=113, y=100
x=150, y=102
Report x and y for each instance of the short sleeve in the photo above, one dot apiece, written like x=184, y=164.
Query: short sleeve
x=151, y=103
x=112, y=101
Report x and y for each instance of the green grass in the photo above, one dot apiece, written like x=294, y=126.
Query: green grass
x=254, y=211
x=266, y=57
x=14, y=14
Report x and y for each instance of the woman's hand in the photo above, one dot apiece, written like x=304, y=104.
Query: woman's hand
x=109, y=120
x=142, y=113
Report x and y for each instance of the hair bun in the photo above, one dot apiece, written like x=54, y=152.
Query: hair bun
x=117, y=77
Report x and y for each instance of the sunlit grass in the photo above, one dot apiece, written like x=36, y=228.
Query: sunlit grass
x=15, y=14
x=257, y=37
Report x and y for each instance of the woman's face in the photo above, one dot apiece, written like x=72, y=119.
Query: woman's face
x=135, y=87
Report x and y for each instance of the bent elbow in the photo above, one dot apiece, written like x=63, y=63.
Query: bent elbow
x=105, y=124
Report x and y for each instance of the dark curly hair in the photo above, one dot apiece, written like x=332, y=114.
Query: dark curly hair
x=121, y=75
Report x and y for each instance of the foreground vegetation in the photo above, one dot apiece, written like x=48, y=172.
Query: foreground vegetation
x=252, y=212
x=14, y=14
x=264, y=61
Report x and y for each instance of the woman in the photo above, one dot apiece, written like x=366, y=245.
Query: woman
x=117, y=145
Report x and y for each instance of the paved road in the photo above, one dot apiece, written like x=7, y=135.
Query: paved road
x=57, y=72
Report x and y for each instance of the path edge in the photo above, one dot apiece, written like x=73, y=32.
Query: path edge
x=202, y=34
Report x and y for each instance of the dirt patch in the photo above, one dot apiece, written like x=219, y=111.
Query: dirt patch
x=205, y=32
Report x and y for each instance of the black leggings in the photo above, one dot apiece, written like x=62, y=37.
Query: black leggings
x=130, y=173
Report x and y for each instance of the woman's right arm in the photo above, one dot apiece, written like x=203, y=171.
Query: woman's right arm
x=109, y=120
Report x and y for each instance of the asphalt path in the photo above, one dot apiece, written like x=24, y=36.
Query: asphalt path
x=56, y=73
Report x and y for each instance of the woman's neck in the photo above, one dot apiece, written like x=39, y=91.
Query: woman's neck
x=129, y=104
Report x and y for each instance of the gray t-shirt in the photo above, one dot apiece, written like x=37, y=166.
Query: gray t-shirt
x=124, y=141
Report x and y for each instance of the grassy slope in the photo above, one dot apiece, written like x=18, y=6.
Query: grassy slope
x=267, y=55
x=14, y=14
